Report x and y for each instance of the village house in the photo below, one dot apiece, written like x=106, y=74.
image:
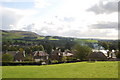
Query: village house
x=56, y=55
x=40, y=56
x=97, y=56
x=69, y=55
x=102, y=55
x=111, y=54
x=17, y=55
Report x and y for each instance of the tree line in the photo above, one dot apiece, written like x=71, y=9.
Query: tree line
x=81, y=50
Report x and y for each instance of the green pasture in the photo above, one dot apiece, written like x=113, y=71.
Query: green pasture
x=86, y=40
x=67, y=70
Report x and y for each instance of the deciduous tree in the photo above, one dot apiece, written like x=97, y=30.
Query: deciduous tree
x=82, y=51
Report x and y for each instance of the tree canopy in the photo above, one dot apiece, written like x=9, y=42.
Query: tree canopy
x=82, y=51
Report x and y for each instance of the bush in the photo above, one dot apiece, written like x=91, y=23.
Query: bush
x=54, y=61
x=118, y=54
x=20, y=63
x=64, y=58
x=7, y=57
x=70, y=58
x=28, y=58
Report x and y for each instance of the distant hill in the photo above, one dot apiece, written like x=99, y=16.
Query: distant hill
x=14, y=34
x=27, y=35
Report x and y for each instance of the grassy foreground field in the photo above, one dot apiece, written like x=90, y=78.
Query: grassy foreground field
x=68, y=70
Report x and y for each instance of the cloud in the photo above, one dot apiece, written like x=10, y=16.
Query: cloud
x=105, y=6
x=49, y=23
x=65, y=18
x=72, y=33
x=91, y=33
x=16, y=0
x=12, y=17
x=29, y=27
x=41, y=4
x=62, y=19
x=69, y=19
x=47, y=31
x=95, y=33
x=105, y=25
x=9, y=18
x=56, y=26
x=60, y=29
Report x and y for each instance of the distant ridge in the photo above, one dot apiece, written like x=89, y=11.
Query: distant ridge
x=17, y=34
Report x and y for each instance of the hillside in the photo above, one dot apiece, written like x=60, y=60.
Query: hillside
x=18, y=35
x=23, y=35
x=27, y=35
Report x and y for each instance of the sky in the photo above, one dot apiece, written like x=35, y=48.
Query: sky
x=69, y=18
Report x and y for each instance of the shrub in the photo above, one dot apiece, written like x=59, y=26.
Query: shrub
x=28, y=58
x=7, y=57
x=54, y=61
x=118, y=54
x=64, y=58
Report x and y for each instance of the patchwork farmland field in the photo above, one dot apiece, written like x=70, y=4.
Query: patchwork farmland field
x=68, y=70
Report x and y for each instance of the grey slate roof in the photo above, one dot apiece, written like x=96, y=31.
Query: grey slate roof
x=97, y=55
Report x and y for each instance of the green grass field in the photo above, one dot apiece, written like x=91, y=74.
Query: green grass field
x=86, y=40
x=67, y=70
x=51, y=38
